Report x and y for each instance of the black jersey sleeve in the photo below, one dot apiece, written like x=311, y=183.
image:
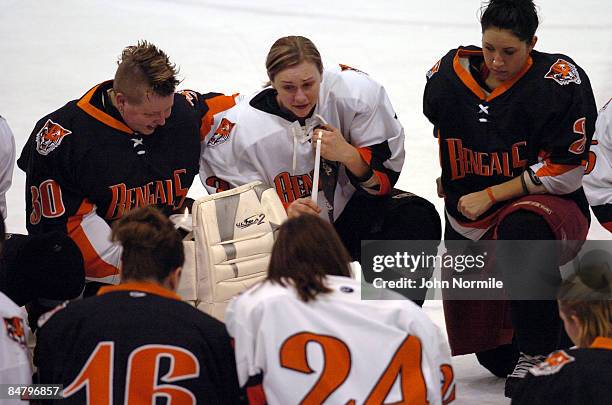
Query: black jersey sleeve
x=569, y=128
x=56, y=202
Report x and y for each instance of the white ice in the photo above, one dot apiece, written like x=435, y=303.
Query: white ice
x=53, y=51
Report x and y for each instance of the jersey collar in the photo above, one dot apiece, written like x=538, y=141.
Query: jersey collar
x=146, y=287
x=471, y=83
x=85, y=103
x=601, y=342
x=266, y=101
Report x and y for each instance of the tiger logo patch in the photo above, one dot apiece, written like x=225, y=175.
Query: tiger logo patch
x=553, y=363
x=15, y=328
x=222, y=133
x=563, y=73
x=50, y=137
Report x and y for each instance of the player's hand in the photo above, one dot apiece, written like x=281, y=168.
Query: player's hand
x=474, y=205
x=439, y=188
x=333, y=145
x=302, y=206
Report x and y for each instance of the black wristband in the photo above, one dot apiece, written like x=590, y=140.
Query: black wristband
x=524, y=184
x=534, y=179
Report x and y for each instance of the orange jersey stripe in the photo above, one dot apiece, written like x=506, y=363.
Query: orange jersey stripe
x=552, y=169
x=470, y=82
x=215, y=106
x=84, y=104
x=150, y=288
x=94, y=265
x=385, y=183
x=601, y=342
x=366, y=154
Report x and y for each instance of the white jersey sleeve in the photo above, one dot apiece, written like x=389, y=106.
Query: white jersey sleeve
x=14, y=355
x=597, y=181
x=368, y=122
x=331, y=349
x=7, y=162
x=227, y=158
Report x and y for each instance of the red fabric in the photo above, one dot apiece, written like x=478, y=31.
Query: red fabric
x=475, y=326
x=256, y=395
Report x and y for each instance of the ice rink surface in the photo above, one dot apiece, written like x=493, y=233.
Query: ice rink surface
x=54, y=51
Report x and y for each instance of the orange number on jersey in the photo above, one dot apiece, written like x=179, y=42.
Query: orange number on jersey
x=577, y=147
x=46, y=201
x=592, y=160
x=336, y=365
x=96, y=376
x=142, y=375
x=448, y=381
x=36, y=208
x=407, y=362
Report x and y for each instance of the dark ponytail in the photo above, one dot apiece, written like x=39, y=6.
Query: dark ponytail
x=152, y=248
x=306, y=250
x=518, y=16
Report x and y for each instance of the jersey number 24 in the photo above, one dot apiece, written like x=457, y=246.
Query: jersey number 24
x=406, y=363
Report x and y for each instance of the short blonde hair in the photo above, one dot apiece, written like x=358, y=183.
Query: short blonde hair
x=144, y=67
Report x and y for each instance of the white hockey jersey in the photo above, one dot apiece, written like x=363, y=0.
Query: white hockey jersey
x=7, y=162
x=597, y=181
x=248, y=144
x=14, y=358
x=337, y=348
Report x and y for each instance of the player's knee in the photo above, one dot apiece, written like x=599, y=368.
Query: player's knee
x=46, y=266
x=69, y=271
x=524, y=225
x=411, y=217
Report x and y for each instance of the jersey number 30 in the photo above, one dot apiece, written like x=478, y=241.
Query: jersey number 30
x=46, y=201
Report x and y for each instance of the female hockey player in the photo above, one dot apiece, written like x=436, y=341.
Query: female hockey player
x=308, y=315
x=271, y=137
x=582, y=375
x=514, y=127
x=116, y=347
x=598, y=175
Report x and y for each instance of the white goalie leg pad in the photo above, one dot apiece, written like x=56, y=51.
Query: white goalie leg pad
x=188, y=284
x=234, y=234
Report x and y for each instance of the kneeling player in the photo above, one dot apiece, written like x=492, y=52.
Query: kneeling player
x=305, y=336
x=138, y=341
x=581, y=375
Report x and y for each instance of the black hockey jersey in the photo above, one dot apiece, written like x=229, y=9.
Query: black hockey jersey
x=134, y=342
x=85, y=168
x=543, y=119
x=573, y=377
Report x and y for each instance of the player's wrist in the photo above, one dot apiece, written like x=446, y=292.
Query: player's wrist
x=533, y=183
x=355, y=163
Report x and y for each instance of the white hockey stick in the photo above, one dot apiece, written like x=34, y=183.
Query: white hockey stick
x=315, y=180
